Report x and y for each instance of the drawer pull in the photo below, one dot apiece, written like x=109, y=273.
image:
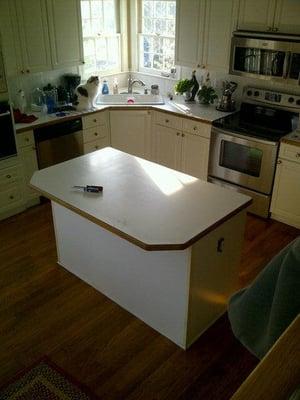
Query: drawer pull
x=220, y=245
x=96, y=147
x=11, y=197
x=195, y=128
x=182, y=135
x=279, y=162
x=96, y=134
x=167, y=121
x=297, y=155
x=8, y=176
x=178, y=133
x=95, y=120
x=26, y=139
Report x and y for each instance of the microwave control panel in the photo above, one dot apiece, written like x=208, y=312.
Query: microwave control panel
x=272, y=97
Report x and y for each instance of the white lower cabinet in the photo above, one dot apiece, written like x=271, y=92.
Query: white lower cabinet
x=131, y=132
x=95, y=131
x=11, y=194
x=285, y=205
x=179, y=148
x=28, y=160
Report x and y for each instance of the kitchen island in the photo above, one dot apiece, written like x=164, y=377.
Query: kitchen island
x=164, y=245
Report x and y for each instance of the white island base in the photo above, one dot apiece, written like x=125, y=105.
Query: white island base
x=179, y=293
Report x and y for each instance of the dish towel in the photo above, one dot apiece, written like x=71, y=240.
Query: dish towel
x=260, y=313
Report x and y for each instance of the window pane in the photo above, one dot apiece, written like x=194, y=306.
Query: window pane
x=148, y=25
x=109, y=16
x=148, y=9
x=85, y=9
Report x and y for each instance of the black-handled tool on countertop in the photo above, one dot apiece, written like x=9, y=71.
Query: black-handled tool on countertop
x=90, y=188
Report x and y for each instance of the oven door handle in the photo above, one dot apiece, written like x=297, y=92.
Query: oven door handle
x=5, y=114
x=241, y=136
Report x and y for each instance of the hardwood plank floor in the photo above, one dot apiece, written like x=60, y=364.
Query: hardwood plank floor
x=45, y=310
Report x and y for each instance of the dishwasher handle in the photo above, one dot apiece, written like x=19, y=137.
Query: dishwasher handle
x=57, y=130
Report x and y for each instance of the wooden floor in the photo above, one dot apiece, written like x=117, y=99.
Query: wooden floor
x=45, y=310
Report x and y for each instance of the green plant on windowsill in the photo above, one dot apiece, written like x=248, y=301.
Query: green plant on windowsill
x=183, y=86
x=206, y=95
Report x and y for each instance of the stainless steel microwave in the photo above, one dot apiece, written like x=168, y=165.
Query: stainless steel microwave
x=264, y=56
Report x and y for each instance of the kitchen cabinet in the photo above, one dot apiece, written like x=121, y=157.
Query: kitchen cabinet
x=186, y=148
x=95, y=131
x=269, y=16
x=131, y=131
x=11, y=196
x=203, y=32
x=65, y=30
x=28, y=161
x=36, y=36
x=286, y=193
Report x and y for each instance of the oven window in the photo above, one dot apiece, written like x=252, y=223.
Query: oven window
x=241, y=158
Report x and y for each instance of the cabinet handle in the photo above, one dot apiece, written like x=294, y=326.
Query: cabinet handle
x=8, y=176
x=279, y=162
x=178, y=133
x=96, y=147
x=269, y=28
x=11, y=197
x=95, y=120
x=22, y=71
x=83, y=62
x=167, y=121
x=297, y=155
x=195, y=128
x=27, y=139
x=275, y=29
x=27, y=70
x=220, y=245
x=96, y=134
x=182, y=135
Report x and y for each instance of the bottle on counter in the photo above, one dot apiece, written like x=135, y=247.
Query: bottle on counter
x=105, y=89
x=115, y=86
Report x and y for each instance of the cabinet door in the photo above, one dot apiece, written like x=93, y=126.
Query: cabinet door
x=256, y=15
x=189, y=32
x=287, y=16
x=29, y=166
x=286, y=192
x=34, y=37
x=130, y=132
x=195, y=151
x=167, y=146
x=65, y=32
x=220, y=19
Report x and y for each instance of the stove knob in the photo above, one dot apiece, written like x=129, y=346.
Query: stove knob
x=249, y=92
x=256, y=93
x=291, y=99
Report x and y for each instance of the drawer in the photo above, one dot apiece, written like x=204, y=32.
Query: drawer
x=171, y=121
x=91, y=120
x=98, y=132
x=10, y=196
x=9, y=175
x=25, y=139
x=95, y=145
x=289, y=152
x=198, y=128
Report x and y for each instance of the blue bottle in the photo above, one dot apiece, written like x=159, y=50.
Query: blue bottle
x=105, y=89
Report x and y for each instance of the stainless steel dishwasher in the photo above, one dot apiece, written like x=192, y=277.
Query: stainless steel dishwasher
x=59, y=142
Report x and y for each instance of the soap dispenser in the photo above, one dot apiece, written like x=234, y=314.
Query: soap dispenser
x=105, y=89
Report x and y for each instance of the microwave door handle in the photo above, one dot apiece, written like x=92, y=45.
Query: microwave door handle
x=286, y=64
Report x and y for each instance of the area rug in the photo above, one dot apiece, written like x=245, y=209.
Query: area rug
x=45, y=381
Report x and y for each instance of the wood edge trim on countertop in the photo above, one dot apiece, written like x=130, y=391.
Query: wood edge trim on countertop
x=131, y=239
x=277, y=375
x=112, y=107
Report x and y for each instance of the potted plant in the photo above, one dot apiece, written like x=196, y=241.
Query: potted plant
x=183, y=86
x=207, y=95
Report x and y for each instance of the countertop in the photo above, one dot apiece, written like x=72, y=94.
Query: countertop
x=152, y=206
x=176, y=106
x=292, y=138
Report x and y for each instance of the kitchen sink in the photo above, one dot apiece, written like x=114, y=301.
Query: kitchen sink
x=129, y=99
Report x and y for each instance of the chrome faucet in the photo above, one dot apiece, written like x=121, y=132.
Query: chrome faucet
x=132, y=81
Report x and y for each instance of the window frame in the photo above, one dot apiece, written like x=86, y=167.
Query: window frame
x=140, y=34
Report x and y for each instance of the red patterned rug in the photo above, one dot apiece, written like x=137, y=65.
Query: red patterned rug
x=45, y=381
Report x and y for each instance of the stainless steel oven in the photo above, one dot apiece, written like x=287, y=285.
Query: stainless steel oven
x=246, y=162
x=244, y=145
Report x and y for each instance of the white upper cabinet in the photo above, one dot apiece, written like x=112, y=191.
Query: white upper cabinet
x=287, y=16
x=40, y=35
x=270, y=16
x=33, y=36
x=256, y=15
x=203, y=32
x=65, y=32
x=189, y=32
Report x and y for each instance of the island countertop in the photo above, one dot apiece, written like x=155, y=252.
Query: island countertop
x=152, y=206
